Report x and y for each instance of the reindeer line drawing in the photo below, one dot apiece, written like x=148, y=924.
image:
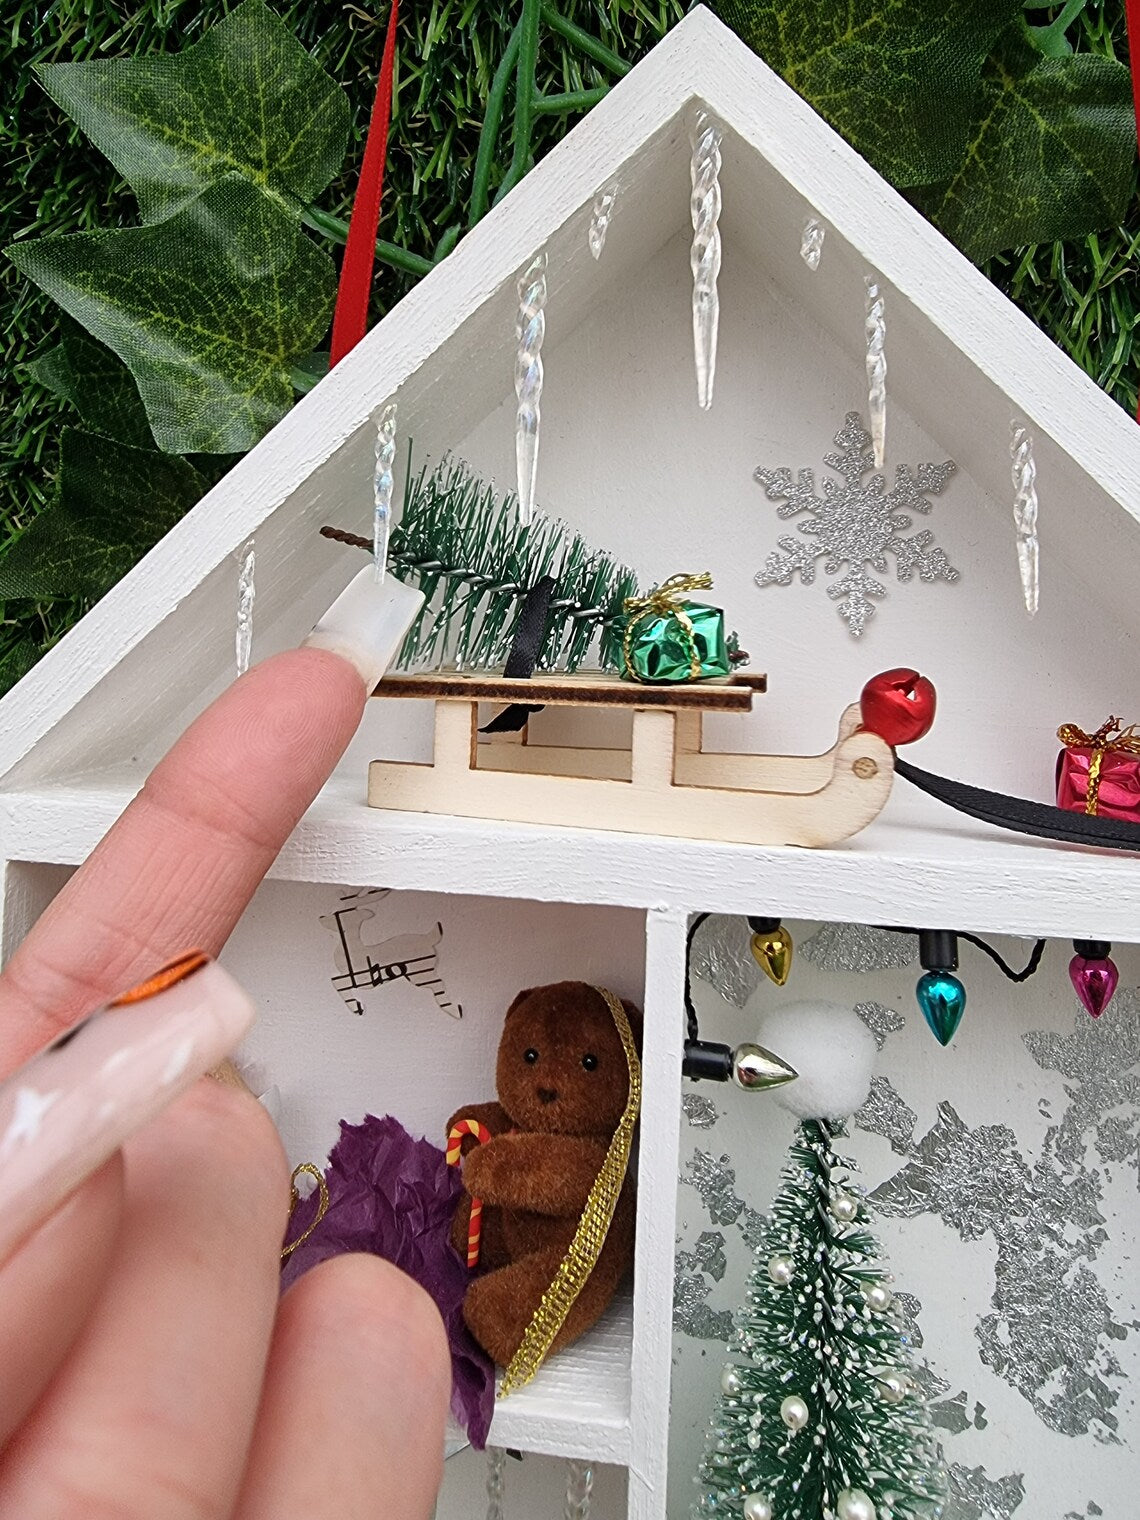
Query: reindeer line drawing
x=363, y=962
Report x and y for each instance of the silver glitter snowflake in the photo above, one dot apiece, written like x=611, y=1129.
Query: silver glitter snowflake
x=856, y=524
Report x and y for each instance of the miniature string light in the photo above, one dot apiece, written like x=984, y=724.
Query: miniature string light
x=751, y=1067
x=1093, y=974
x=772, y=949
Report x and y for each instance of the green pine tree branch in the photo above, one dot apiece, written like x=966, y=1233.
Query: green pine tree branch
x=461, y=543
x=818, y=1395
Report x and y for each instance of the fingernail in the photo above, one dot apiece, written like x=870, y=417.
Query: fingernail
x=72, y=1105
x=367, y=623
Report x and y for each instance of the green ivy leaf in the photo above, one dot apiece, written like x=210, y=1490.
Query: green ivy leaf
x=209, y=310
x=17, y=660
x=1050, y=152
x=898, y=78
x=97, y=384
x=113, y=504
x=247, y=99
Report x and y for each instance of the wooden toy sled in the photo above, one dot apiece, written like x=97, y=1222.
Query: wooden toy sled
x=664, y=783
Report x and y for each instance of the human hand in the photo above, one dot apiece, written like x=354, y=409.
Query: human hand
x=148, y=1370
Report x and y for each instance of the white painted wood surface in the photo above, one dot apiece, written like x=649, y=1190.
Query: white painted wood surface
x=665, y=933
x=918, y=865
x=629, y=461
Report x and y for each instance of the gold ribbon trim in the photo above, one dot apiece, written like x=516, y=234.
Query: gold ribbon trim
x=306, y=1169
x=590, y=1236
x=665, y=601
x=1110, y=735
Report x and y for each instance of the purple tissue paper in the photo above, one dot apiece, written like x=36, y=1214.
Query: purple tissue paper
x=395, y=1197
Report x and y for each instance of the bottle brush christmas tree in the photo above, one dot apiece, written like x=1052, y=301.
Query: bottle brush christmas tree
x=820, y=1417
x=480, y=570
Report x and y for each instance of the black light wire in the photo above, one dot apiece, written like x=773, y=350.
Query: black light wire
x=690, y=1007
x=1026, y=971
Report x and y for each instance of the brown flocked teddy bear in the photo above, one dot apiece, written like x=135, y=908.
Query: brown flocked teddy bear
x=563, y=1081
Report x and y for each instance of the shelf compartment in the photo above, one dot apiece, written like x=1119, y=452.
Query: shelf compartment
x=578, y=1403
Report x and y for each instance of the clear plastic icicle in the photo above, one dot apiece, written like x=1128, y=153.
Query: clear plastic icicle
x=811, y=244
x=530, y=330
x=600, y=221
x=704, y=256
x=877, y=369
x=243, y=634
x=579, y=1486
x=496, y=1464
x=1024, y=471
x=382, y=488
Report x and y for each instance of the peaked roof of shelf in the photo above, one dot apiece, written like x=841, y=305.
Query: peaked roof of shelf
x=160, y=642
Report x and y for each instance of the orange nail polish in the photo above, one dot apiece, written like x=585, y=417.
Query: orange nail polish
x=173, y=972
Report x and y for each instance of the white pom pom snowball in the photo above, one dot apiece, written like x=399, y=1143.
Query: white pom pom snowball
x=832, y=1050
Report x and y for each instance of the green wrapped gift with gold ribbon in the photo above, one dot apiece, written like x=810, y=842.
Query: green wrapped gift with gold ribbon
x=669, y=638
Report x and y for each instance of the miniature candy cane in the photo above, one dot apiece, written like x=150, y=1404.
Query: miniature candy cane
x=455, y=1138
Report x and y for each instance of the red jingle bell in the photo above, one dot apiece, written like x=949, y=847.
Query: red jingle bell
x=898, y=705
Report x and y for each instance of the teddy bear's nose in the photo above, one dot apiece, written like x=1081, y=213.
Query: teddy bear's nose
x=547, y=1094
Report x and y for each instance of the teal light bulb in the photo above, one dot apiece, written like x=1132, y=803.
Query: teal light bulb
x=942, y=999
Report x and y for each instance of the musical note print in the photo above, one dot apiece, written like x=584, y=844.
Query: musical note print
x=363, y=963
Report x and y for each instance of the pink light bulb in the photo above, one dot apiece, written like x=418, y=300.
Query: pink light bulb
x=1094, y=982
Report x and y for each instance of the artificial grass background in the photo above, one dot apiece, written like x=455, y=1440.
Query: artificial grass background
x=1086, y=295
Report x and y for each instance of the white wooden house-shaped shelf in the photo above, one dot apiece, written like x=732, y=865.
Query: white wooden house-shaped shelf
x=627, y=457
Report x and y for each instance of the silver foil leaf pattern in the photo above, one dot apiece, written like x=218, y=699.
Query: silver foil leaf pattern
x=1051, y=1331
x=706, y=1256
x=859, y=947
x=715, y=1181
x=701, y=1112
x=722, y=957
x=692, y=1315
x=691, y=1269
x=880, y=1021
x=974, y=1496
x=885, y=1113
x=1095, y=1060
x=951, y=1414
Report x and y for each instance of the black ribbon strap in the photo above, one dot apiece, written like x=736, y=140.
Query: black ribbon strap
x=530, y=631
x=1023, y=816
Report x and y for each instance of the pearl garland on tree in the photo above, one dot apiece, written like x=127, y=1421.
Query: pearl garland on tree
x=794, y=1412
x=844, y=1207
x=819, y=1417
x=853, y=1504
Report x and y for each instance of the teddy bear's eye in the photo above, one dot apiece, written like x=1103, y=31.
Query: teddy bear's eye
x=590, y=1061
x=530, y=1056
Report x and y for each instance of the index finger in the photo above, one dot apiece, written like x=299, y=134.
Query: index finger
x=181, y=864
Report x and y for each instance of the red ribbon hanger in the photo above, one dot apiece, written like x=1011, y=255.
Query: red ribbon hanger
x=350, y=318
